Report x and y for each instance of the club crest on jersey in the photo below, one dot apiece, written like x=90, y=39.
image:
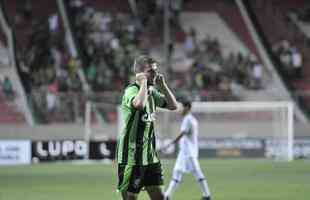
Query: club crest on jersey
x=148, y=117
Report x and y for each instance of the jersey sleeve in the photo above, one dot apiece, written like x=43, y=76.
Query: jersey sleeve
x=159, y=99
x=186, y=125
x=129, y=95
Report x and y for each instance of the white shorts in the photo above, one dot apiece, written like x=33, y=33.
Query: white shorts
x=186, y=164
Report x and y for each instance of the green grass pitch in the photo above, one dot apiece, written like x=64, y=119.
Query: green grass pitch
x=229, y=179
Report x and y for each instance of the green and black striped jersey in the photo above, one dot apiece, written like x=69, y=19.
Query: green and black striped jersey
x=136, y=142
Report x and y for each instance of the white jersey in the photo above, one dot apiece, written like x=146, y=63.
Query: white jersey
x=188, y=144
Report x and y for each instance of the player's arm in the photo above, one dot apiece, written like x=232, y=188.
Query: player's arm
x=185, y=129
x=177, y=138
x=163, y=87
x=140, y=99
x=173, y=141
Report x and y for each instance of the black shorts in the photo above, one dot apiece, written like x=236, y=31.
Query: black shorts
x=134, y=178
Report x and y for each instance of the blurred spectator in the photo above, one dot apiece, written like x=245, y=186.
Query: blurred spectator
x=62, y=78
x=50, y=102
x=291, y=58
x=7, y=88
x=285, y=54
x=56, y=59
x=51, y=97
x=190, y=44
x=53, y=23
x=72, y=65
x=297, y=63
x=74, y=83
x=257, y=75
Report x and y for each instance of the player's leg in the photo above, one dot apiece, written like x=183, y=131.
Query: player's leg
x=153, y=180
x=155, y=193
x=177, y=174
x=174, y=183
x=129, y=196
x=198, y=174
x=129, y=181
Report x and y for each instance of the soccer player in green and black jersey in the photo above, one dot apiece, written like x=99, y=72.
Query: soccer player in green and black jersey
x=138, y=164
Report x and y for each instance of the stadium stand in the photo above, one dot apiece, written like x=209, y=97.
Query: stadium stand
x=288, y=42
x=227, y=11
x=203, y=66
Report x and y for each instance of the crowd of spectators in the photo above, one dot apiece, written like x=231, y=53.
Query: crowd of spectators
x=43, y=57
x=212, y=76
x=291, y=58
x=45, y=65
x=106, y=42
x=109, y=41
x=288, y=42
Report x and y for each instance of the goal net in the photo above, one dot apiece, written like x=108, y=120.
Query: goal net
x=270, y=122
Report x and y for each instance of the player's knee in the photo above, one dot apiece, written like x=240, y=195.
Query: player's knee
x=200, y=179
x=177, y=176
x=199, y=175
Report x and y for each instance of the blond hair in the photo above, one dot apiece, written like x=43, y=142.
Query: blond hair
x=141, y=62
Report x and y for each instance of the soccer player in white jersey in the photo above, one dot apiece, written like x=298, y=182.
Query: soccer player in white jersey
x=187, y=160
